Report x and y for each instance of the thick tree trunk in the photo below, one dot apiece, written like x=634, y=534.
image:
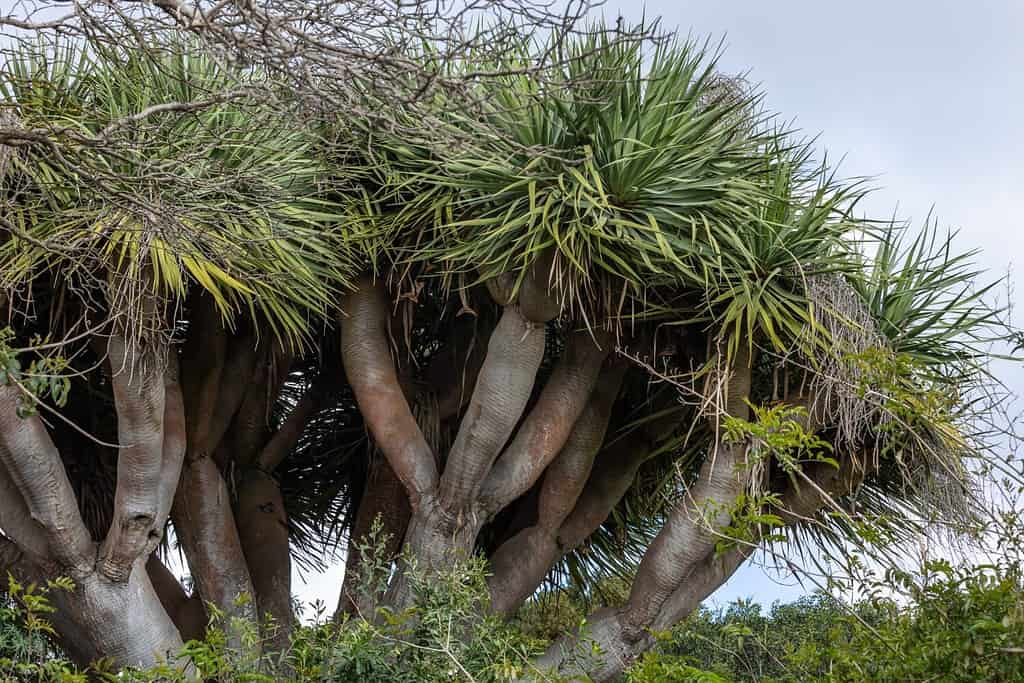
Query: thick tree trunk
x=263, y=532
x=205, y=525
x=124, y=621
x=114, y=610
x=384, y=499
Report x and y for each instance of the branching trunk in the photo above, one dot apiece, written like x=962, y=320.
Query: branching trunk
x=521, y=563
x=688, y=537
x=126, y=606
x=616, y=632
x=114, y=610
x=123, y=620
x=546, y=430
x=16, y=519
x=35, y=467
x=374, y=381
x=502, y=390
x=445, y=524
x=139, y=397
x=604, y=486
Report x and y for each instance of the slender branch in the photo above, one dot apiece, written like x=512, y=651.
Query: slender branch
x=374, y=381
x=822, y=482
x=175, y=439
x=692, y=527
x=235, y=381
x=456, y=366
x=613, y=473
x=550, y=423
x=27, y=25
x=287, y=435
x=35, y=466
x=384, y=499
x=16, y=562
x=502, y=390
x=201, y=368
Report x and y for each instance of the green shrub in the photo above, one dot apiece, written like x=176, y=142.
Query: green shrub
x=957, y=625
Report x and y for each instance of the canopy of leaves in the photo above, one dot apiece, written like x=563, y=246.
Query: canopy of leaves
x=649, y=192
x=164, y=177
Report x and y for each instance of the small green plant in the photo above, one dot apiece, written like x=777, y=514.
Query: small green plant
x=45, y=378
x=26, y=649
x=955, y=624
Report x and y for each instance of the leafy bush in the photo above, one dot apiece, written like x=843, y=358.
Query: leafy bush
x=958, y=625
x=950, y=625
x=962, y=625
x=446, y=637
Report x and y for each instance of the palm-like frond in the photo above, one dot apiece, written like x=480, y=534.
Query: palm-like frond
x=225, y=196
x=927, y=300
x=623, y=172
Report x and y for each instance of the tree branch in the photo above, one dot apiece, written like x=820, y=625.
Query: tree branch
x=521, y=563
x=550, y=423
x=693, y=527
x=139, y=398
x=205, y=525
x=385, y=499
x=236, y=379
x=287, y=435
x=175, y=440
x=202, y=364
x=822, y=482
x=371, y=374
x=180, y=607
x=35, y=467
x=502, y=390
x=613, y=473
x=616, y=634
x=15, y=519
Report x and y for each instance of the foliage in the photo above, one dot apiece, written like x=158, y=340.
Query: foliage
x=444, y=638
x=946, y=624
x=26, y=651
x=226, y=199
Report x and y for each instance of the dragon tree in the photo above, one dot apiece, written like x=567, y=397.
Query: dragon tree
x=620, y=321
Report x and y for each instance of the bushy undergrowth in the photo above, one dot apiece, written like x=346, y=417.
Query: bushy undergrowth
x=950, y=624
x=945, y=624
